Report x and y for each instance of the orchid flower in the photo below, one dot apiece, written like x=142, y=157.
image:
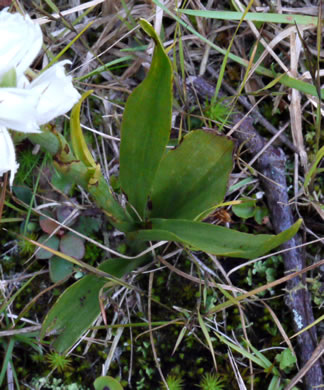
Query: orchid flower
x=25, y=105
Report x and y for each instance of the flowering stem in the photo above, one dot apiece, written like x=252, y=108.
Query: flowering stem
x=47, y=140
x=71, y=168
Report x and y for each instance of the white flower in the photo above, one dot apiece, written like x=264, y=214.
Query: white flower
x=18, y=110
x=21, y=41
x=25, y=106
x=7, y=153
x=56, y=91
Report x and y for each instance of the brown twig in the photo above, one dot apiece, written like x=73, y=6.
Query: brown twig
x=315, y=356
x=271, y=165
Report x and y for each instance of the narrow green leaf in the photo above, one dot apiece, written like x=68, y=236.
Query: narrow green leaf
x=265, y=361
x=275, y=383
x=179, y=339
x=59, y=55
x=146, y=127
x=242, y=351
x=78, y=306
x=208, y=339
x=192, y=177
x=290, y=82
x=216, y=240
x=103, y=68
x=312, y=171
x=254, y=16
x=7, y=359
x=241, y=184
x=80, y=147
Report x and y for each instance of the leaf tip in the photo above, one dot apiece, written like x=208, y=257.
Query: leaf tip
x=149, y=29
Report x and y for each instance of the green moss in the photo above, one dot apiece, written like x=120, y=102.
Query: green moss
x=212, y=382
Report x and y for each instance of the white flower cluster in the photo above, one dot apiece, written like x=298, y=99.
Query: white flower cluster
x=24, y=105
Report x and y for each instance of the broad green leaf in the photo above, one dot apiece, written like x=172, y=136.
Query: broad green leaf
x=246, y=209
x=72, y=245
x=52, y=242
x=146, y=127
x=61, y=183
x=260, y=214
x=49, y=226
x=192, y=177
x=23, y=193
x=213, y=239
x=286, y=359
x=107, y=382
x=59, y=269
x=77, y=308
